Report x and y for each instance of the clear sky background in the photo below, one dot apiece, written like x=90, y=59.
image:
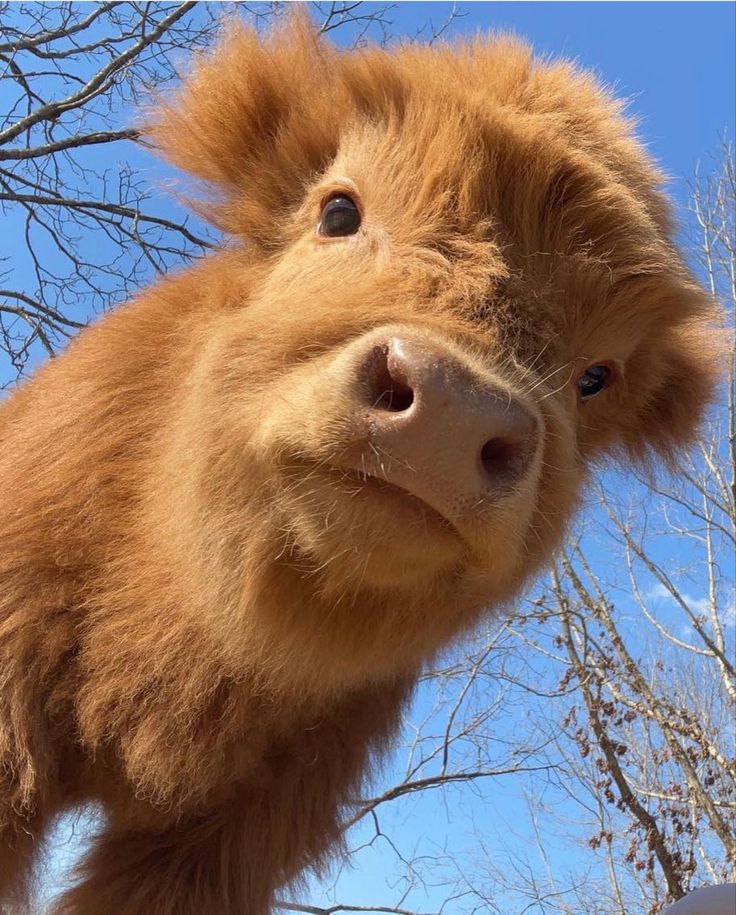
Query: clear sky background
x=675, y=63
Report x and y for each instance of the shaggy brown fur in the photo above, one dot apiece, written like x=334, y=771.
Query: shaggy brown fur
x=203, y=627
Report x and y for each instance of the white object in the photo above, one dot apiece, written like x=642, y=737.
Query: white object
x=708, y=900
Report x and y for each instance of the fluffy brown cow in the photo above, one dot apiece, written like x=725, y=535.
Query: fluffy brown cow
x=240, y=513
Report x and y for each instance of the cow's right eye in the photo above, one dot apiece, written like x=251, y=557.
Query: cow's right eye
x=594, y=380
x=340, y=216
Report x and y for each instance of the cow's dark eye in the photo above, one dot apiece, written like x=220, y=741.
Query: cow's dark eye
x=593, y=380
x=340, y=216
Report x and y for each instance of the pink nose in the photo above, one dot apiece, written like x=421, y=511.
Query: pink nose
x=440, y=430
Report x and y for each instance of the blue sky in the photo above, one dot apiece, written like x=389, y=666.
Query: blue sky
x=675, y=62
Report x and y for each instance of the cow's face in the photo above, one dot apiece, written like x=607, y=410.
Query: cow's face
x=462, y=291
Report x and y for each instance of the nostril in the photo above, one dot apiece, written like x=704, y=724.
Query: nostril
x=501, y=457
x=390, y=388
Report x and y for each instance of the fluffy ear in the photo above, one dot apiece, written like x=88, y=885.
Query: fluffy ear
x=256, y=120
x=683, y=369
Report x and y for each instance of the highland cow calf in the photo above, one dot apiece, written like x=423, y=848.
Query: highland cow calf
x=240, y=513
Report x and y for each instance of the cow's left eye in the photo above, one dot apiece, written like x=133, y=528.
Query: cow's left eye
x=340, y=216
x=593, y=380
